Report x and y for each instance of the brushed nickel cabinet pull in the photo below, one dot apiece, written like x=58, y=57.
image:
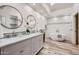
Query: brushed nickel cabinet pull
x=21, y=51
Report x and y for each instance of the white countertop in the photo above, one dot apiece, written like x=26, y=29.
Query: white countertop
x=8, y=41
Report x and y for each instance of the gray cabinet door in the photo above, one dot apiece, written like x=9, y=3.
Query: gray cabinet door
x=27, y=47
x=24, y=47
x=37, y=44
x=41, y=41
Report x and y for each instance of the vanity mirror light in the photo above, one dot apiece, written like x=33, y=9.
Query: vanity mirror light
x=10, y=17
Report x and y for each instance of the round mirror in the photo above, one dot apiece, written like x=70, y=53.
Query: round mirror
x=31, y=21
x=10, y=17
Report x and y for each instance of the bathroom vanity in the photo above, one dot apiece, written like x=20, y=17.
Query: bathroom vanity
x=22, y=45
x=18, y=35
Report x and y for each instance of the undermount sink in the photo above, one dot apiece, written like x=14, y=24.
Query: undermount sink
x=15, y=34
x=9, y=35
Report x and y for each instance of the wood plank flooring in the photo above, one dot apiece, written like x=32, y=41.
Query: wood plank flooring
x=58, y=48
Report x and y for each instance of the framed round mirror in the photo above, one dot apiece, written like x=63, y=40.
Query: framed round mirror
x=31, y=21
x=10, y=17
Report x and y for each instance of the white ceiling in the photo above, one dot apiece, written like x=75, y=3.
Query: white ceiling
x=58, y=6
x=46, y=8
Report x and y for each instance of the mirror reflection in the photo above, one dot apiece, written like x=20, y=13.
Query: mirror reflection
x=31, y=21
x=10, y=17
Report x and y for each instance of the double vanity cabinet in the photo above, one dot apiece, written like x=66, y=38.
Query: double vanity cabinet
x=22, y=45
x=14, y=42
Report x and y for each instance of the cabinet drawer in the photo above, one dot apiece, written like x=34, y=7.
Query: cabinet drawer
x=20, y=48
x=26, y=51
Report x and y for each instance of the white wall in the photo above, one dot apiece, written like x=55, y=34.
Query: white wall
x=20, y=8
x=25, y=11
x=67, y=29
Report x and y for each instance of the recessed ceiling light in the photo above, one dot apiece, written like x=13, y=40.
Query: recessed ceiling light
x=51, y=4
x=34, y=3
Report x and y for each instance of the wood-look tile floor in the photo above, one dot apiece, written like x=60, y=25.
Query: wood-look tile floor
x=58, y=48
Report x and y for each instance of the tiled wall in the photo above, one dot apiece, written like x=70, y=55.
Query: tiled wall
x=25, y=11
x=62, y=22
